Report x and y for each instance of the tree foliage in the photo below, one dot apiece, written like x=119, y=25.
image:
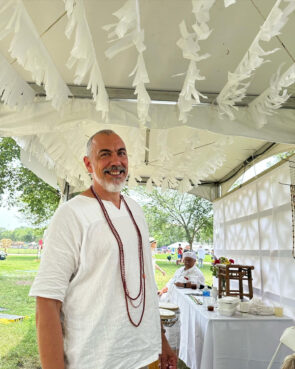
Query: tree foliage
x=173, y=216
x=25, y=234
x=22, y=188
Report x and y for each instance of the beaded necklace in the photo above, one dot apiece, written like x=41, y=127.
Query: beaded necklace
x=141, y=293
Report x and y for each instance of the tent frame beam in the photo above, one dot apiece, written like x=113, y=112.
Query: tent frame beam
x=248, y=162
x=116, y=93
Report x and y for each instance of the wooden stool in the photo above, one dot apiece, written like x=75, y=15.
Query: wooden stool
x=238, y=272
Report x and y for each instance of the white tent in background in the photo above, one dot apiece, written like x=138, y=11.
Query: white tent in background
x=214, y=84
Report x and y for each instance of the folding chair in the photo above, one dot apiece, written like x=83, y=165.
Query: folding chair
x=288, y=339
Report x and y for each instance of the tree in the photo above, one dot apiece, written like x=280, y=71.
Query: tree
x=173, y=216
x=34, y=198
x=24, y=234
x=206, y=233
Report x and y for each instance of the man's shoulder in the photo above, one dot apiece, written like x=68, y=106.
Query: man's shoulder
x=76, y=205
x=75, y=201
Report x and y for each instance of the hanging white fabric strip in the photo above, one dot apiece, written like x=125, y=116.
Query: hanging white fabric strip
x=83, y=55
x=238, y=82
x=272, y=98
x=189, y=44
x=14, y=91
x=126, y=33
x=15, y=21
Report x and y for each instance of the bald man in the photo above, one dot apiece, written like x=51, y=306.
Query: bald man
x=96, y=295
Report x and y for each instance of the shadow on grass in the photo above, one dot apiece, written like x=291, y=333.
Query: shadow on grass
x=24, y=354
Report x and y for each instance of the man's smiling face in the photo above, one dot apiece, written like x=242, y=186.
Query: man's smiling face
x=108, y=162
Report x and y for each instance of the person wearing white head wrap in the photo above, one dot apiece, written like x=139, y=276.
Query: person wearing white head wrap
x=190, y=254
x=187, y=275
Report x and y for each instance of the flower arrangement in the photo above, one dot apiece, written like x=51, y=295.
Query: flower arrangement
x=221, y=260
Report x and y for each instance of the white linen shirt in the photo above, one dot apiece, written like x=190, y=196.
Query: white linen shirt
x=201, y=254
x=80, y=267
x=193, y=275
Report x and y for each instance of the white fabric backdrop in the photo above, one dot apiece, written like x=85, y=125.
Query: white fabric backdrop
x=253, y=225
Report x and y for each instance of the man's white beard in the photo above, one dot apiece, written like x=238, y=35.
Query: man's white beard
x=111, y=187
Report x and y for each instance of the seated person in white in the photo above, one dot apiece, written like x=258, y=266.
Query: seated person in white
x=187, y=275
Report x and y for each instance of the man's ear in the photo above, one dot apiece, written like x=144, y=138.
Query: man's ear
x=87, y=163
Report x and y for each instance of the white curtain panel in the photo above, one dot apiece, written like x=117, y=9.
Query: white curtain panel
x=253, y=225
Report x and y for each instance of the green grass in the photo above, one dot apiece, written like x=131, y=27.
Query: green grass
x=11, y=250
x=18, y=347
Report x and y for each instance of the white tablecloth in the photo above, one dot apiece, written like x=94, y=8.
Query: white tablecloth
x=211, y=341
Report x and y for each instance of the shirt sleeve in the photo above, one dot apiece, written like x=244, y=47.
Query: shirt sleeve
x=175, y=277
x=60, y=258
x=197, y=277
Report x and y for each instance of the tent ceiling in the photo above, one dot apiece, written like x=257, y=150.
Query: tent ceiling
x=234, y=28
x=208, y=149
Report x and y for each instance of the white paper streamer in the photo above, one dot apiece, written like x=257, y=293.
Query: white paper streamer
x=133, y=179
x=83, y=55
x=14, y=91
x=163, y=145
x=136, y=140
x=184, y=185
x=273, y=97
x=124, y=34
x=189, y=44
x=29, y=51
x=143, y=98
x=236, y=87
x=182, y=170
x=229, y=2
x=149, y=186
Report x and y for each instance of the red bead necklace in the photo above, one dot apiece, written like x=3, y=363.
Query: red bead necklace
x=141, y=293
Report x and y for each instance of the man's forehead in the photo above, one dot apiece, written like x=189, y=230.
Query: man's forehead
x=108, y=142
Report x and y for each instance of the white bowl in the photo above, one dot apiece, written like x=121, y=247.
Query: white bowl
x=226, y=312
x=228, y=300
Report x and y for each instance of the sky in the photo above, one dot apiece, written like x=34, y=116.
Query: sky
x=11, y=219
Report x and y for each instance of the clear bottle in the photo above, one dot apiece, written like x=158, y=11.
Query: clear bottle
x=206, y=296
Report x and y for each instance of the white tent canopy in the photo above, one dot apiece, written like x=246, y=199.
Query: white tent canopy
x=200, y=128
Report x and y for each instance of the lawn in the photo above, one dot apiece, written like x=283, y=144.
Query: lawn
x=12, y=250
x=18, y=348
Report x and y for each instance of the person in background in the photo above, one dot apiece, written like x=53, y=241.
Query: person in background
x=179, y=254
x=187, y=248
x=187, y=275
x=40, y=248
x=153, y=244
x=201, y=256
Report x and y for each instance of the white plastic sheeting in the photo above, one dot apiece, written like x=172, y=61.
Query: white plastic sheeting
x=253, y=225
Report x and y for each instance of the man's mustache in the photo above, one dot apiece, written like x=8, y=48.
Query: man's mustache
x=118, y=168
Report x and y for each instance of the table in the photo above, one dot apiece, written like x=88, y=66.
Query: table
x=211, y=341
